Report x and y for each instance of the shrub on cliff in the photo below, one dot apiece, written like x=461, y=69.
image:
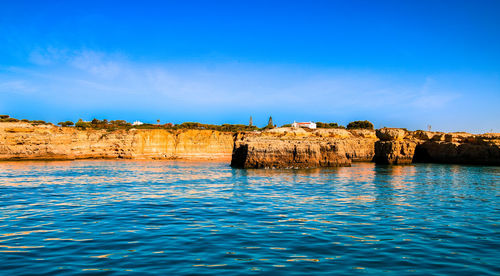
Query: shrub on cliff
x=39, y=122
x=360, y=124
x=235, y=128
x=267, y=127
x=104, y=124
x=328, y=125
x=190, y=125
x=9, y=120
x=4, y=116
x=82, y=124
x=66, y=124
x=121, y=123
x=223, y=127
x=146, y=126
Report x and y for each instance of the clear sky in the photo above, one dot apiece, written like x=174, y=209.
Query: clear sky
x=395, y=63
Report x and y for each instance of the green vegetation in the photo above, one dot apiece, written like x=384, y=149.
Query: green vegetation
x=328, y=125
x=82, y=124
x=9, y=120
x=103, y=124
x=65, y=124
x=223, y=127
x=270, y=124
x=360, y=125
x=121, y=124
x=39, y=122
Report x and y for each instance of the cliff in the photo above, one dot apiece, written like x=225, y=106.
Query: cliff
x=23, y=141
x=276, y=148
x=301, y=148
x=399, y=146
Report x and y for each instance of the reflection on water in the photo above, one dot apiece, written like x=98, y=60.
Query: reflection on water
x=195, y=218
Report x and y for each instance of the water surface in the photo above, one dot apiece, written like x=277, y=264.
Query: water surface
x=122, y=217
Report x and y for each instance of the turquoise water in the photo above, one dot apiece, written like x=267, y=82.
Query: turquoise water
x=122, y=217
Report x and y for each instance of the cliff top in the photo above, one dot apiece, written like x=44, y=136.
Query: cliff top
x=398, y=134
x=27, y=127
x=301, y=133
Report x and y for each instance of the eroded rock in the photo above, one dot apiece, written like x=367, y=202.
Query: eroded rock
x=436, y=147
x=394, y=152
x=391, y=134
x=23, y=141
x=298, y=148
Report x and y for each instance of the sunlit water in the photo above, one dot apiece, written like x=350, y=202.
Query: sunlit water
x=122, y=217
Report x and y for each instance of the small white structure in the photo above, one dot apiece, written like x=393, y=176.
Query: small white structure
x=137, y=123
x=310, y=125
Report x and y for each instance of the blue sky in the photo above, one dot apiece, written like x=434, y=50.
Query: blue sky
x=395, y=63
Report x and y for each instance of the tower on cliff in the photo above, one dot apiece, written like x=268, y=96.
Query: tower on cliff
x=251, y=122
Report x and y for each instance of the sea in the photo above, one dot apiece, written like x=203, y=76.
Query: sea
x=202, y=218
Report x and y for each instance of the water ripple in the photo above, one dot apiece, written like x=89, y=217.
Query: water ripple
x=203, y=218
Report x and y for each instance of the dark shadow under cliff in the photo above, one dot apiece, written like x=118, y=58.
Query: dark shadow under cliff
x=239, y=157
x=452, y=153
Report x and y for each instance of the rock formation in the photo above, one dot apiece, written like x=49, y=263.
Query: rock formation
x=393, y=148
x=274, y=148
x=399, y=146
x=301, y=148
x=23, y=141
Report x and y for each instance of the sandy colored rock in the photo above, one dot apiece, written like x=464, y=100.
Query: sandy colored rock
x=437, y=147
x=23, y=141
x=427, y=135
x=280, y=147
x=394, y=152
x=299, y=148
x=391, y=134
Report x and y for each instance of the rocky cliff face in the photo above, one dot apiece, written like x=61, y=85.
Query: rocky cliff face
x=398, y=146
x=300, y=148
x=22, y=141
x=276, y=148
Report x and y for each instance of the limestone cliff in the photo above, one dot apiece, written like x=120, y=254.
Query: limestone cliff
x=398, y=146
x=278, y=148
x=300, y=148
x=23, y=141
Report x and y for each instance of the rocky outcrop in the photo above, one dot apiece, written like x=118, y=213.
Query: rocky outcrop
x=23, y=141
x=393, y=148
x=399, y=146
x=394, y=152
x=301, y=148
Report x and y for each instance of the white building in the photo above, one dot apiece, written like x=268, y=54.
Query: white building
x=137, y=123
x=310, y=125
